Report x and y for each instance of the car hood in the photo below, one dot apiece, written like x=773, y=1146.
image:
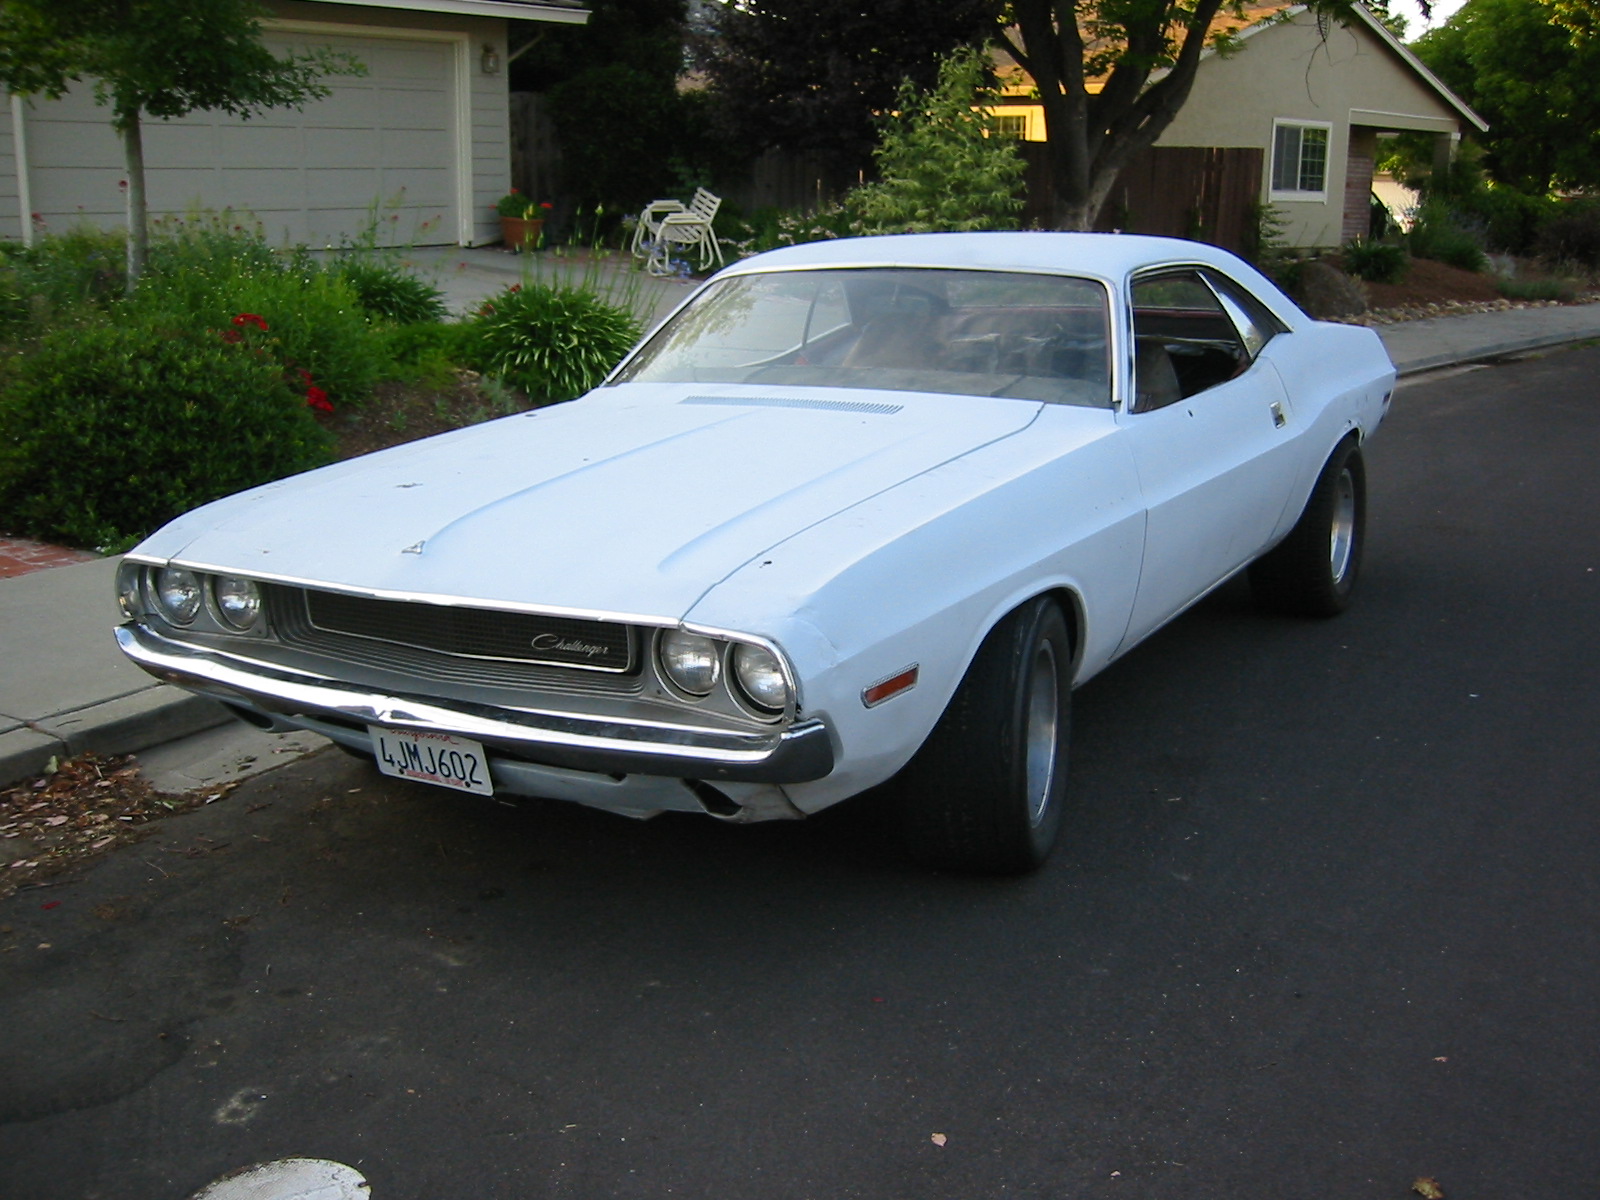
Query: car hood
x=632, y=500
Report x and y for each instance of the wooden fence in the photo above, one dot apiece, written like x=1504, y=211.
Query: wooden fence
x=1203, y=192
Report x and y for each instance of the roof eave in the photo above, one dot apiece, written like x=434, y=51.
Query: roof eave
x=515, y=10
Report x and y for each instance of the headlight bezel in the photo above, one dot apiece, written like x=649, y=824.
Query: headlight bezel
x=140, y=597
x=736, y=655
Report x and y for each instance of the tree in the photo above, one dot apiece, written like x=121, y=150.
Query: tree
x=1532, y=79
x=1111, y=75
x=944, y=165
x=816, y=75
x=157, y=58
x=611, y=84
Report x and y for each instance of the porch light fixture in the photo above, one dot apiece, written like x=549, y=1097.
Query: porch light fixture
x=490, y=60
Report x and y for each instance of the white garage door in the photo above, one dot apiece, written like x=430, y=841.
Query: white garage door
x=381, y=149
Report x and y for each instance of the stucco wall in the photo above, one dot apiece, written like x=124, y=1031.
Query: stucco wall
x=1291, y=71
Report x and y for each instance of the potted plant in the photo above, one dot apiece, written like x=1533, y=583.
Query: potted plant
x=521, y=219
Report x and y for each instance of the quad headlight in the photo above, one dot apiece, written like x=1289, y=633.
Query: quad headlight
x=237, y=601
x=691, y=662
x=760, y=676
x=748, y=677
x=192, y=600
x=177, y=594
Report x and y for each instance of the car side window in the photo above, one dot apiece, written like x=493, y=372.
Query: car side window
x=1254, y=321
x=1189, y=335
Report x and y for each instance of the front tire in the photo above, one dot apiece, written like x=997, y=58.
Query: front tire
x=1312, y=572
x=986, y=791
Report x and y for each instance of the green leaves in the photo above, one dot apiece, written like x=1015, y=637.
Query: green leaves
x=163, y=57
x=945, y=166
x=553, y=341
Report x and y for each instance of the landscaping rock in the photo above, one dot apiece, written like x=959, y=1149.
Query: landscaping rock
x=1326, y=292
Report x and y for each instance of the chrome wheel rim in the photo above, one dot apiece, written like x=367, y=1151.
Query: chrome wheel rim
x=1342, y=533
x=1042, y=729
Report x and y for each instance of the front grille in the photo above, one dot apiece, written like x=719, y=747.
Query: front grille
x=475, y=632
x=459, y=645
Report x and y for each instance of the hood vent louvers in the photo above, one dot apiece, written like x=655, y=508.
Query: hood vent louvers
x=849, y=406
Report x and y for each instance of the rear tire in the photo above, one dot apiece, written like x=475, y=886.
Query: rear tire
x=986, y=791
x=1312, y=572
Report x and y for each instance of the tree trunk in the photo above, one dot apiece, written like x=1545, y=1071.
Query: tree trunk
x=127, y=123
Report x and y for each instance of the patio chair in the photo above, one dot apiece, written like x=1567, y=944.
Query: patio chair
x=665, y=225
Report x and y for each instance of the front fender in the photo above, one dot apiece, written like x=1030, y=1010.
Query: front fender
x=920, y=573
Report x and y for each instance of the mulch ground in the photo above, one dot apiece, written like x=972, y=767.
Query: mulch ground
x=1429, y=282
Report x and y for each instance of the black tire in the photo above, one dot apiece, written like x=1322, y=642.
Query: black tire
x=1312, y=572
x=986, y=791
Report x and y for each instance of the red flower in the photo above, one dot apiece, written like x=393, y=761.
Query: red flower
x=231, y=336
x=318, y=399
x=545, y=204
x=244, y=319
x=515, y=287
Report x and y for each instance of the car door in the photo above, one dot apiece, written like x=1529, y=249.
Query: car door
x=1209, y=425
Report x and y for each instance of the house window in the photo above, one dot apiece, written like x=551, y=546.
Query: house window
x=1299, y=159
x=1011, y=125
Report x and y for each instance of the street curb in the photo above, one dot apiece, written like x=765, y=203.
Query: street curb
x=126, y=725
x=1452, y=358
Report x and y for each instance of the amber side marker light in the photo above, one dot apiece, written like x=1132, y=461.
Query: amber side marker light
x=891, y=687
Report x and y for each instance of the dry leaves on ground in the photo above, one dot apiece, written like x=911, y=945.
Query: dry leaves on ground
x=82, y=809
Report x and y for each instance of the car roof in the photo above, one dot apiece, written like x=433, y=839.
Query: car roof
x=1106, y=256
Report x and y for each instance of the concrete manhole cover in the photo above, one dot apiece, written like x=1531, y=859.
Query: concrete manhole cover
x=289, y=1179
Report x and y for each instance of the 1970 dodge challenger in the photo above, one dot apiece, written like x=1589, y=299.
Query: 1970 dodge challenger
x=859, y=511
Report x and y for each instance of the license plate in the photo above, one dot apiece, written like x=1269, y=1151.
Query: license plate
x=438, y=758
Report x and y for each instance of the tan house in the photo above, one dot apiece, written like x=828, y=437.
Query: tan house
x=421, y=142
x=1314, y=97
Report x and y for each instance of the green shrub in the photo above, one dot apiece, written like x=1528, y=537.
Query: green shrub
x=429, y=351
x=552, y=340
x=316, y=322
x=1563, y=290
x=385, y=290
x=203, y=245
x=1440, y=233
x=1573, y=237
x=1513, y=219
x=109, y=430
x=1376, y=262
x=945, y=165
x=62, y=271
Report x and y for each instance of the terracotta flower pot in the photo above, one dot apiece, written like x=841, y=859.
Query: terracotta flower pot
x=521, y=233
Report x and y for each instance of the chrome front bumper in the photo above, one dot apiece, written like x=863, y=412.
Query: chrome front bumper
x=606, y=746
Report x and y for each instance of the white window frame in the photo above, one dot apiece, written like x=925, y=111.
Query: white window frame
x=1274, y=193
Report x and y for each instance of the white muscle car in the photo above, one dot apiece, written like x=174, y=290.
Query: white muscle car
x=858, y=511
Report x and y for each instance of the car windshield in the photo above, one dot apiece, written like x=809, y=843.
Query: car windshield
x=980, y=333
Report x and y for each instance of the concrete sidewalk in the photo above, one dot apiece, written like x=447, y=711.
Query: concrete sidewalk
x=66, y=689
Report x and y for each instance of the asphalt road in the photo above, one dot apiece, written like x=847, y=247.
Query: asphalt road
x=1325, y=922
